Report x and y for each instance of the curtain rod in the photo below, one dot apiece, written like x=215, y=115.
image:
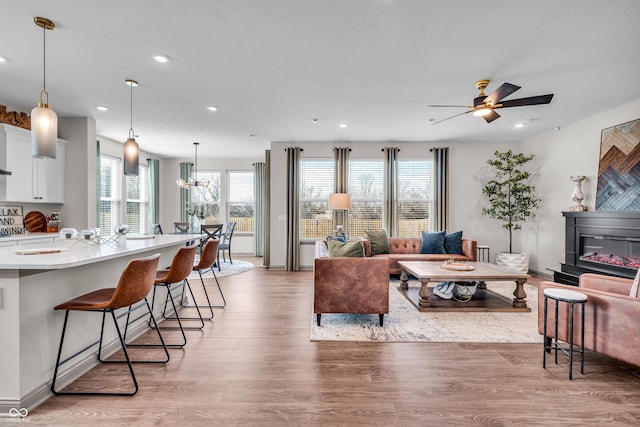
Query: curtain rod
x=396, y=149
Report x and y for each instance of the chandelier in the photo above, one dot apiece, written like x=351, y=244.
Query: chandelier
x=193, y=182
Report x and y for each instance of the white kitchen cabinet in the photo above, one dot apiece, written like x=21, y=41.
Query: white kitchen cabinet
x=31, y=180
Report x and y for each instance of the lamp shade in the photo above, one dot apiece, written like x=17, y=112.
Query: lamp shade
x=339, y=201
x=131, y=152
x=44, y=132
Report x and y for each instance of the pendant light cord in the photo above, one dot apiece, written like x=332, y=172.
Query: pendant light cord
x=44, y=60
x=131, y=133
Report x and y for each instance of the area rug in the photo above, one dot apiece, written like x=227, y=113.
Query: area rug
x=227, y=269
x=406, y=324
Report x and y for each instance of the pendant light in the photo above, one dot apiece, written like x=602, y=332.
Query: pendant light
x=193, y=182
x=131, y=149
x=44, y=121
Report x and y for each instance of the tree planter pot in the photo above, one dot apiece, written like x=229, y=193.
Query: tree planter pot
x=514, y=261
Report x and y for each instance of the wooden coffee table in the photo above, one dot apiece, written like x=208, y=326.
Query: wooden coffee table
x=484, y=300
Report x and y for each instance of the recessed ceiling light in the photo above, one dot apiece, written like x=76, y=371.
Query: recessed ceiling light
x=252, y=135
x=315, y=120
x=212, y=108
x=163, y=59
x=343, y=125
x=102, y=107
x=431, y=121
x=2, y=59
x=519, y=125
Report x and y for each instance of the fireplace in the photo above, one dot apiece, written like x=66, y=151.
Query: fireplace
x=600, y=242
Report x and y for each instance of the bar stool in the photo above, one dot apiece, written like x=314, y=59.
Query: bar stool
x=135, y=283
x=181, y=267
x=207, y=262
x=572, y=298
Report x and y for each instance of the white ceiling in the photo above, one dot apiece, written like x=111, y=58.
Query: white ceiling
x=273, y=65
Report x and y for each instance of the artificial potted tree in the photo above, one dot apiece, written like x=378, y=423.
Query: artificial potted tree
x=511, y=200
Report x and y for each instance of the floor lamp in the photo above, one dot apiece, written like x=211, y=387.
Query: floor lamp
x=340, y=203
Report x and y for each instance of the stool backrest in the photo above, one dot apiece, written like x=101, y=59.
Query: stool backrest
x=182, y=264
x=208, y=255
x=136, y=281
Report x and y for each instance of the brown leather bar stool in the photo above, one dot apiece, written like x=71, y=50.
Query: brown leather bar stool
x=178, y=272
x=207, y=262
x=135, y=284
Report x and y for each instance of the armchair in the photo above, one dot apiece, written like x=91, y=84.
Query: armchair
x=610, y=316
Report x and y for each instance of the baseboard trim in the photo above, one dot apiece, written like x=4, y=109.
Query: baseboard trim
x=546, y=275
x=84, y=364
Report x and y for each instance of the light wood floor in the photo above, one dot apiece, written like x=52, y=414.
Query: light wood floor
x=254, y=365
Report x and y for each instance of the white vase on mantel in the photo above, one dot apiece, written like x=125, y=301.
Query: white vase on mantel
x=513, y=261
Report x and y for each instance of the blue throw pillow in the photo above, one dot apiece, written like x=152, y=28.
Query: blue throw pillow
x=340, y=238
x=453, y=243
x=433, y=243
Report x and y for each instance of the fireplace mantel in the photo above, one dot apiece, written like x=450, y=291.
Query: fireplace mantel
x=603, y=242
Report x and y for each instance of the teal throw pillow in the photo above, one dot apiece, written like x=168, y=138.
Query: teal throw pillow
x=453, y=243
x=379, y=242
x=346, y=249
x=433, y=243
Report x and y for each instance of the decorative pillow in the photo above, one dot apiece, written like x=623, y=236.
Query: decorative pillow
x=634, y=287
x=340, y=238
x=347, y=249
x=453, y=243
x=379, y=242
x=433, y=243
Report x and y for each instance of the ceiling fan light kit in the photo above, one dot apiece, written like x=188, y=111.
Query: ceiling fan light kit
x=485, y=105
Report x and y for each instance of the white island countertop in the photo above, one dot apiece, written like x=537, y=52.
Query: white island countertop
x=75, y=252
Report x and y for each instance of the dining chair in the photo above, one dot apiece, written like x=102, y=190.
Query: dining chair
x=156, y=229
x=181, y=227
x=134, y=285
x=211, y=231
x=225, y=245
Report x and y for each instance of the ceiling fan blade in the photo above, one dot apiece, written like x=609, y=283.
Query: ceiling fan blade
x=532, y=100
x=502, y=92
x=491, y=116
x=444, y=120
x=458, y=106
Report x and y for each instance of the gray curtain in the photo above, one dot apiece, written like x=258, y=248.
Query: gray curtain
x=389, y=214
x=98, y=183
x=340, y=184
x=292, y=262
x=441, y=188
x=259, y=197
x=154, y=190
x=266, y=259
x=185, y=195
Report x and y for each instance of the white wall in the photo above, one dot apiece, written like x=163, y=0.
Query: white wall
x=572, y=150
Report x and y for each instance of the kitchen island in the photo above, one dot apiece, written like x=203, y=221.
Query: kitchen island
x=35, y=278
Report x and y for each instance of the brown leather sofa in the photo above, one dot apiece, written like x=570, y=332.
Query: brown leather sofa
x=610, y=321
x=408, y=249
x=349, y=285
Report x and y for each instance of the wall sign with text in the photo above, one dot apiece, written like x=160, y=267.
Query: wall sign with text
x=11, y=220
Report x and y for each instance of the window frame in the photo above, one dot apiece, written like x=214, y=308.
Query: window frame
x=323, y=222
x=229, y=201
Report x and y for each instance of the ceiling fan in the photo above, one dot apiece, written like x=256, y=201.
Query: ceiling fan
x=484, y=105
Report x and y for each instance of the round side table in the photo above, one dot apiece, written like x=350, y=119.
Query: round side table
x=572, y=298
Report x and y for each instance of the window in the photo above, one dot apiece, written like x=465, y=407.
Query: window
x=205, y=202
x=137, y=196
x=240, y=201
x=316, y=183
x=367, y=195
x=109, y=209
x=414, y=197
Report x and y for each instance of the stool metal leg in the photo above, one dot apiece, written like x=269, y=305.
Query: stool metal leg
x=544, y=334
x=571, y=340
x=555, y=340
x=582, y=341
